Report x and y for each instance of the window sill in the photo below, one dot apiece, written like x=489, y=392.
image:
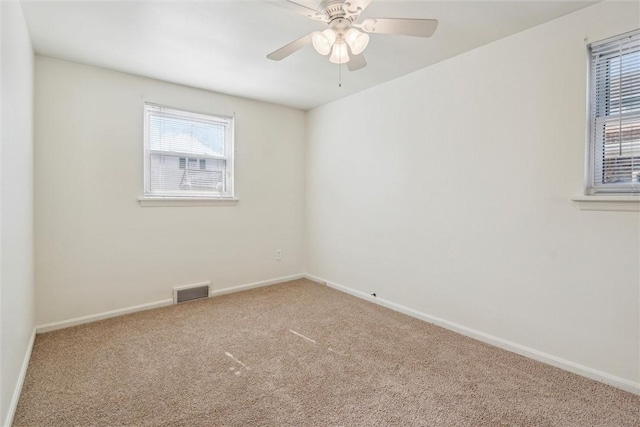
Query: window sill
x=608, y=203
x=186, y=201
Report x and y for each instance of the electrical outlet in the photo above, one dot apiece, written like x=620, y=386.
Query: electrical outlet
x=278, y=254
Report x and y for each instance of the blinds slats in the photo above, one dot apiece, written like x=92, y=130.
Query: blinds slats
x=615, y=114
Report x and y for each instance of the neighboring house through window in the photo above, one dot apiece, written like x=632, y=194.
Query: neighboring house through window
x=187, y=154
x=614, y=148
x=193, y=163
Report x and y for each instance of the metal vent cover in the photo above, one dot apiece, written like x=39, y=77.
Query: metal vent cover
x=191, y=292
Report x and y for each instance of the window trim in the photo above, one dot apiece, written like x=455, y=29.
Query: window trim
x=608, y=202
x=187, y=201
x=609, y=191
x=182, y=197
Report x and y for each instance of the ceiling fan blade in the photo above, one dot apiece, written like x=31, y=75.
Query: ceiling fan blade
x=356, y=62
x=292, y=47
x=299, y=9
x=402, y=26
x=353, y=8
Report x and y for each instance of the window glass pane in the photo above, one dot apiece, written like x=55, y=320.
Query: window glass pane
x=167, y=176
x=622, y=81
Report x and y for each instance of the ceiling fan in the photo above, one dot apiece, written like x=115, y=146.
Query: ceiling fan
x=345, y=39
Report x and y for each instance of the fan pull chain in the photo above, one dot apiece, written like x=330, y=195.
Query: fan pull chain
x=339, y=75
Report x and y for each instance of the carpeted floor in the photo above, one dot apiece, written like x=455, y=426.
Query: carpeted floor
x=297, y=354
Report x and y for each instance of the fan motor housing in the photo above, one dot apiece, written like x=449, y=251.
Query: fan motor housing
x=332, y=8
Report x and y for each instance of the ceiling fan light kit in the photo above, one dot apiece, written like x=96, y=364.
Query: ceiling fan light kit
x=345, y=40
x=330, y=41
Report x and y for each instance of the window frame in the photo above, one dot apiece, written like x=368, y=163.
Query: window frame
x=188, y=195
x=594, y=186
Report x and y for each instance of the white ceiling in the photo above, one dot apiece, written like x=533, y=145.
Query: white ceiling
x=221, y=45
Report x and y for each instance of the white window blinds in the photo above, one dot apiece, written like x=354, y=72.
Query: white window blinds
x=187, y=154
x=615, y=115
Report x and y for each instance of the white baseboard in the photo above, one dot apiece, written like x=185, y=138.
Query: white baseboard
x=100, y=316
x=163, y=303
x=23, y=373
x=232, y=289
x=531, y=353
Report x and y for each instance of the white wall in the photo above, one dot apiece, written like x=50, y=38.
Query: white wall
x=448, y=192
x=97, y=249
x=16, y=201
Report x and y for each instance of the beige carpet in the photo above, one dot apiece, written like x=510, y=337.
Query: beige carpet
x=297, y=354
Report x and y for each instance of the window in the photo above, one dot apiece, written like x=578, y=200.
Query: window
x=614, y=153
x=187, y=154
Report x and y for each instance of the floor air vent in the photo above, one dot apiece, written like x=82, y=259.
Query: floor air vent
x=191, y=292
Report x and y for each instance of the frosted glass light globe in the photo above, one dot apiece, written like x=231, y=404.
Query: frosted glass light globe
x=357, y=41
x=322, y=42
x=339, y=53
